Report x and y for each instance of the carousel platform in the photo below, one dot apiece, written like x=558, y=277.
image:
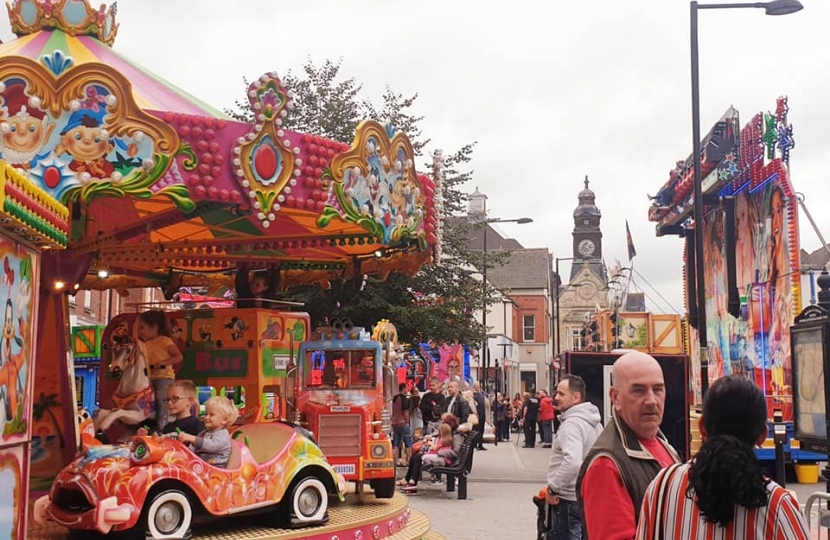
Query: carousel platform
x=390, y=519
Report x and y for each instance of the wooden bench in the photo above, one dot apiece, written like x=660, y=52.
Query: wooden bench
x=461, y=467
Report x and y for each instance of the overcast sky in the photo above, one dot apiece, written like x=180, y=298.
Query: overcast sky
x=550, y=90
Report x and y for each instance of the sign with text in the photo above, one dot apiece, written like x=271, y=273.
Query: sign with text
x=215, y=363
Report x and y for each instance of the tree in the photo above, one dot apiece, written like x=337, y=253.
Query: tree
x=43, y=406
x=440, y=301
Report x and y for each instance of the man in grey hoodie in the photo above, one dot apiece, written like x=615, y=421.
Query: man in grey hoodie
x=580, y=426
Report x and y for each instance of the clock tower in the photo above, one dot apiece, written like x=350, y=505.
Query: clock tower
x=587, y=235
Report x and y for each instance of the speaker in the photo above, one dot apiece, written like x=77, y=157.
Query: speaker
x=346, y=324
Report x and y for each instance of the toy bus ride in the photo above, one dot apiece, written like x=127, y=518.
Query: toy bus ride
x=242, y=353
x=342, y=390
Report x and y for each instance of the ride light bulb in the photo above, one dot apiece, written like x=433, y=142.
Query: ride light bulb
x=376, y=436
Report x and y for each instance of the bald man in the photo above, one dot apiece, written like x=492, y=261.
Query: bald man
x=629, y=453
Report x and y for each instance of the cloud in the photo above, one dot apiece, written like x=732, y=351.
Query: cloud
x=552, y=91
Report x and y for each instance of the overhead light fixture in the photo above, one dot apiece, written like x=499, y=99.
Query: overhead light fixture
x=103, y=273
x=378, y=253
x=59, y=285
x=77, y=286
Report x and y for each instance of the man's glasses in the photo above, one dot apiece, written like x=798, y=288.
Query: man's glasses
x=174, y=399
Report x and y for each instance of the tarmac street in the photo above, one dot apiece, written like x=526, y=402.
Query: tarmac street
x=503, y=481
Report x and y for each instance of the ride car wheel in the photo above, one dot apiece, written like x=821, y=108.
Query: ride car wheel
x=168, y=515
x=309, y=500
x=384, y=488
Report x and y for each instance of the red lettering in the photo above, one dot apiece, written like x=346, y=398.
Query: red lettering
x=203, y=362
x=236, y=363
x=222, y=364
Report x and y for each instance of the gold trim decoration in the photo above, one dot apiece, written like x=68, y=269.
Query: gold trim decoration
x=75, y=17
x=132, y=149
x=375, y=186
x=267, y=161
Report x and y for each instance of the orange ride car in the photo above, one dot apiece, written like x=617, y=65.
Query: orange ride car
x=157, y=485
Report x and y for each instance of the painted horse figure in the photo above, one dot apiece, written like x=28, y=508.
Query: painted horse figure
x=133, y=400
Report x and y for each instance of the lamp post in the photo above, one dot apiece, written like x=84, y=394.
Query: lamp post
x=486, y=354
x=776, y=7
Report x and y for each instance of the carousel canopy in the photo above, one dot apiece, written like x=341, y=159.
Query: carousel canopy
x=159, y=184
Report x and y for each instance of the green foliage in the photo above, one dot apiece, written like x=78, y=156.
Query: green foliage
x=440, y=302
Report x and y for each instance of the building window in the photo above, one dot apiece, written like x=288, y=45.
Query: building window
x=529, y=327
x=72, y=300
x=88, y=301
x=576, y=338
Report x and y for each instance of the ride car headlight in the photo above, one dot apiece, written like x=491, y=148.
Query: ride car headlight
x=379, y=451
x=146, y=450
x=139, y=451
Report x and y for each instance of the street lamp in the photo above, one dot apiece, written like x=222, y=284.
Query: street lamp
x=486, y=357
x=776, y=7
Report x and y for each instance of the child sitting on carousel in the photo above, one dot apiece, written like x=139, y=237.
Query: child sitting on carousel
x=214, y=444
x=181, y=398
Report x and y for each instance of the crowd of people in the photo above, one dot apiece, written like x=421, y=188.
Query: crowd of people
x=624, y=481
x=620, y=481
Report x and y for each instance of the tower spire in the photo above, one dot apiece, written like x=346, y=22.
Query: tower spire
x=586, y=181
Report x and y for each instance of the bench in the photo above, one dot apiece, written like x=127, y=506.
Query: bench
x=461, y=467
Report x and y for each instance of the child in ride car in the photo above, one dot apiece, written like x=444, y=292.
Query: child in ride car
x=181, y=398
x=214, y=444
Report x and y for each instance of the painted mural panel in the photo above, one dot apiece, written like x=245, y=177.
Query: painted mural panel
x=756, y=344
x=18, y=271
x=13, y=503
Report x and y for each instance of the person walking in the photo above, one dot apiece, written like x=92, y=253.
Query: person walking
x=530, y=415
x=723, y=492
x=478, y=397
x=401, y=434
x=630, y=451
x=580, y=426
x=499, y=408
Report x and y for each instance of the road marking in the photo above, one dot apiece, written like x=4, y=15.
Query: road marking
x=516, y=457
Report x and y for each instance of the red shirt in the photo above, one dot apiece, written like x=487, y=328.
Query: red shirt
x=546, y=412
x=609, y=510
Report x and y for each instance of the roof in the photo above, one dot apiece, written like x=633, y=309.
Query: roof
x=595, y=265
x=524, y=269
x=495, y=241
x=817, y=260
x=177, y=185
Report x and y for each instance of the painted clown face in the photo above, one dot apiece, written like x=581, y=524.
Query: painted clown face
x=23, y=137
x=86, y=143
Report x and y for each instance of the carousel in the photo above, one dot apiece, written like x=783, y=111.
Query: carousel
x=112, y=178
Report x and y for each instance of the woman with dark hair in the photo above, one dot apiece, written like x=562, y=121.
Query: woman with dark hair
x=723, y=491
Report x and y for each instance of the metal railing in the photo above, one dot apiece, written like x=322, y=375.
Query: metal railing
x=823, y=513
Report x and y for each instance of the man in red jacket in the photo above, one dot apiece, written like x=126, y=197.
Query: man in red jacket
x=629, y=453
x=546, y=415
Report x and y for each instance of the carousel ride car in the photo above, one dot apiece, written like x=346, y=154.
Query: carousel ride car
x=157, y=485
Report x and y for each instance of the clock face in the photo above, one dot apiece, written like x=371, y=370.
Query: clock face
x=587, y=291
x=586, y=247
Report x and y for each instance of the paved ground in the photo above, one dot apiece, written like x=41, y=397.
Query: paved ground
x=498, y=504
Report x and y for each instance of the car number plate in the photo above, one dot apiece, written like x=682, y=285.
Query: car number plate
x=344, y=468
